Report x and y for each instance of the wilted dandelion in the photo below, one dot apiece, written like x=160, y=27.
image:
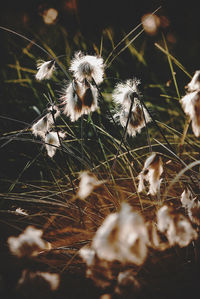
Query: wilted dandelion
x=191, y=106
x=122, y=237
x=151, y=172
x=45, y=69
x=176, y=227
x=30, y=278
x=87, y=184
x=52, y=142
x=28, y=243
x=79, y=98
x=87, y=67
x=194, y=84
x=43, y=125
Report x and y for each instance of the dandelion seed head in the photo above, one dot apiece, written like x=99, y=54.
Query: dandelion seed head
x=28, y=243
x=87, y=67
x=45, y=70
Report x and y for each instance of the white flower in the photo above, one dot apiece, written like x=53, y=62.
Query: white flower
x=87, y=67
x=28, y=243
x=79, y=99
x=45, y=70
x=33, y=278
x=52, y=142
x=176, y=227
x=191, y=106
x=122, y=237
x=87, y=184
x=194, y=84
x=151, y=172
x=43, y=125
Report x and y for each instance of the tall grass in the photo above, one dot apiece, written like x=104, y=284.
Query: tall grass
x=46, y=188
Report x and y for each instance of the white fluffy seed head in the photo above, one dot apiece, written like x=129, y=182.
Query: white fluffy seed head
x=52, y=142
x=87, y=67
x=194, y=84
x=28, y=243
x=151, y=172
x=43, y=125
x=45, y=70
x=87, y=184
x=74, y=99
x=124, y=92
x=29, y=278
x=136, y=121
x=176, y=227
x=191, y=106
x=122, y=237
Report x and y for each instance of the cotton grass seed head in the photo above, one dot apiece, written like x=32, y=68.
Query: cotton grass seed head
x=191, y=106
x=38, y=279
x=122, y=237
x=52, y=142
x=125, y=93
x=87, y=67
x=45, y=70
x=28, y=243
x=176, y=227
x=151, y=172
x=87, y=184
x=43, y=125
x=194, y=84
x=137, y=121
x=79, y=99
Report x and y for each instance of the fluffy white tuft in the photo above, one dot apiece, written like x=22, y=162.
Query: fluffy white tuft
x=28, y=243
x=87, y=67
x=52, y=142
x=45, y=70
x=151, y=172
